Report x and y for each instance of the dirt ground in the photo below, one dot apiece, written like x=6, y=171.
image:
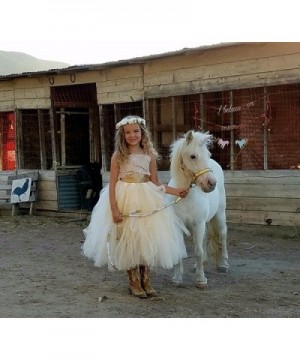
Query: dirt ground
x=44, y=275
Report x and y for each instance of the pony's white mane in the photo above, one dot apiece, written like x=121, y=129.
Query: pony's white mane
x=192, y=138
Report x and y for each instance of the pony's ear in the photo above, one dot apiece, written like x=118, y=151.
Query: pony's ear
x=189, y=136
x=208, y=139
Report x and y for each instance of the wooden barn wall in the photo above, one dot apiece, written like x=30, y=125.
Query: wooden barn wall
x=25, y=94
x=233, y=67
x=47, y=191
x=120, y=85
x=7, y=95
x=34, y=93
x=270, y=197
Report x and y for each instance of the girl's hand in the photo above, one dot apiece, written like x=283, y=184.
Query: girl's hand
x=117, y=217
x=183, y=192
x=179, y=192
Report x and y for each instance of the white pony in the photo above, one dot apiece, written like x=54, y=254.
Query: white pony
x=203, y=210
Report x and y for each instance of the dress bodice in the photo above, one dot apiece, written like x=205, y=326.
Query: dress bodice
x=137, y=163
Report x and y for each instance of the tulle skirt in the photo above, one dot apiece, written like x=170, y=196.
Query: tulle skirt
x=156, y=240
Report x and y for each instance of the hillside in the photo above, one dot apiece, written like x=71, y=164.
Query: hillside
x=12, y=62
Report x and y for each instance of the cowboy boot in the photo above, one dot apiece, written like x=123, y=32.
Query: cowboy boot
x=135, y=288
x=146, y=282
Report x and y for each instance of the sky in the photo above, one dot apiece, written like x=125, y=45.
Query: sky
x=98, y=31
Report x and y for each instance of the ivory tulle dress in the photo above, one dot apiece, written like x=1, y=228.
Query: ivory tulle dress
x=156, y=240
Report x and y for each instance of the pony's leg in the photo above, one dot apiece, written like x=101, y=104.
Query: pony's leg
x=219, y=223
x=223, y=265
x=178, y=271
x=199, y=234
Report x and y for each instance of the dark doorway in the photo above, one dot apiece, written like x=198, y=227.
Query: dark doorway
x=76, y=122
x=77, y=145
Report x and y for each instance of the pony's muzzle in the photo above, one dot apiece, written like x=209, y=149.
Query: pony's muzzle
x=209, y=185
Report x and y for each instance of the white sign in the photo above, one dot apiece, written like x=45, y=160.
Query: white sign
x=20, y=191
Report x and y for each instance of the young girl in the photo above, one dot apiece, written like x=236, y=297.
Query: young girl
x=126, y=232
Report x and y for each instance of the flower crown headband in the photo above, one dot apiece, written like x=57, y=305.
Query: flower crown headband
x=131, y=120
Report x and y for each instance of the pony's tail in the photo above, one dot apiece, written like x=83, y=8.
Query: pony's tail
x=214, y=247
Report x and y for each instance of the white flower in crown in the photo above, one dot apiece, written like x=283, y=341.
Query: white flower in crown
x=130, y=120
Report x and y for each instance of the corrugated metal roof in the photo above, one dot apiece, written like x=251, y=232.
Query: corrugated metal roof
x=137, y=60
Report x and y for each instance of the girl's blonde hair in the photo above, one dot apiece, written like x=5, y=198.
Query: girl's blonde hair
x=120, y=142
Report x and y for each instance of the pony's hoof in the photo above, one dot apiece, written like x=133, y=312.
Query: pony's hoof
x=223, y=269
x=201, y=285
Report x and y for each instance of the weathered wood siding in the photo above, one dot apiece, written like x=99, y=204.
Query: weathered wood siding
x=216, y=69
x=121, y=84
x=35, y=92
x=7, y=95
x=5, y=187
x=262, y=197
x=47, y=191
x=232, y=67
x=25, y=94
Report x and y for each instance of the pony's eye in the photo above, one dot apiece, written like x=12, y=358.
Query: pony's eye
x=193, y=156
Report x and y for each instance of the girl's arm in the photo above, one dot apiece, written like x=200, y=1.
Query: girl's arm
x=179, y=192
x=114, y=174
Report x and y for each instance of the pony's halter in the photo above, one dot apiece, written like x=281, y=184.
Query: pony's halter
x=194, y=175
